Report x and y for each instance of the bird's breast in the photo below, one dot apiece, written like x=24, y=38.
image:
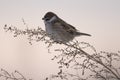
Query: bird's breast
x=49, y=28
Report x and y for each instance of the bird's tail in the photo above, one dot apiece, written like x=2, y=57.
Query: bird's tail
x=80, y=34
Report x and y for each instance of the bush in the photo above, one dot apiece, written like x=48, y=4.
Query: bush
x=74, y=56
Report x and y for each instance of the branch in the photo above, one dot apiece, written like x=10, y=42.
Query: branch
x=102, y=61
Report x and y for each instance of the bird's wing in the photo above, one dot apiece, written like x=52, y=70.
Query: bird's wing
x=67, y=27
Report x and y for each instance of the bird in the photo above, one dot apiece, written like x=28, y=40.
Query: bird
x=58, y=30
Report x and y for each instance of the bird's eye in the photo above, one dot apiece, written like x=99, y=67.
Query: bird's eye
x=47, y=19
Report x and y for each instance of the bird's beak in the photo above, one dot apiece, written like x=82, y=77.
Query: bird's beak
x=43, y=18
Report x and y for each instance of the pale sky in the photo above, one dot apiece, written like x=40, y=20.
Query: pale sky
x=100, y=18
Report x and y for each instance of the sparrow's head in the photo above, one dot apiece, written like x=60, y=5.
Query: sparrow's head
x=48, y=16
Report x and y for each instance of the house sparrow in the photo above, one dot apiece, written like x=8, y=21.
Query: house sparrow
x=59, y=30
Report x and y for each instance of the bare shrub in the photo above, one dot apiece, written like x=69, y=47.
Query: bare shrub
x=86, y=65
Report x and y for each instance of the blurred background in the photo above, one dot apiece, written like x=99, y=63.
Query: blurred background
x=100, y=18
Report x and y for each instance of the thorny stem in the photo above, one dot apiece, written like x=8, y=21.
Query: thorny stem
x=92, y=58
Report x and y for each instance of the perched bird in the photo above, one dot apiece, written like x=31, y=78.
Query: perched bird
x=59, y=30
